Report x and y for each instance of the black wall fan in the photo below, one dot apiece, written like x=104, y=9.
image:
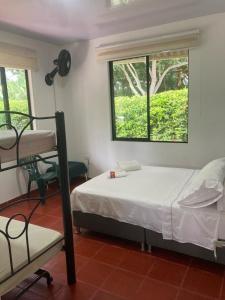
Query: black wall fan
x=63, y=64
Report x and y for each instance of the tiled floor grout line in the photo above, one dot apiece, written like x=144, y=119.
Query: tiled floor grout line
x=102, y=284
x=107, y=292
x=185, y=275
x=129, y=271
x=196, y=293
x=117, y=268
x=120, y=267
x=182, y=282
x=171, y=261
x=145, y=277
x=95, y=293
x=134, y=273
x=85, y=264
x=93, y=257
x=115, y=295
x=163, y=282
x=177, y=294
x=151, y=268
x=199, y=294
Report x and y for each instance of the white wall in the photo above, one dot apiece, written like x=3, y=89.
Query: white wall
x=11, y=182
x=87, y=105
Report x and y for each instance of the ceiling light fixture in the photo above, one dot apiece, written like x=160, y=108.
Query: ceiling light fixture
x=115, y=3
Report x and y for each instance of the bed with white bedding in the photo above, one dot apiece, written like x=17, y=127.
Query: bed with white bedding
x=149, y=198
x=32, y=142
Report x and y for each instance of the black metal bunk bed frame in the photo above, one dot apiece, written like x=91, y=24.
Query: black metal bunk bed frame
x=61, y=153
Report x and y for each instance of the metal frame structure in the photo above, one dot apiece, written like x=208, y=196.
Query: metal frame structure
x=61, y=153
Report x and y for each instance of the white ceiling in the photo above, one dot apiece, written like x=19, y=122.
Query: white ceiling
x=63, y=21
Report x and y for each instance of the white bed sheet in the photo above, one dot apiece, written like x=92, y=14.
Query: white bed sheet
x=40, y=239
x=32, y=142
x=199, y=226
x=149, y=198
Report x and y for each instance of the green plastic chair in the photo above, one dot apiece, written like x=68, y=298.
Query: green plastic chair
x=42, y=180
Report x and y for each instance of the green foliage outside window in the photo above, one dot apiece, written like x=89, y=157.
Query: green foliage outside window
x=17, y=99
x=168, y=120
x=17, y=120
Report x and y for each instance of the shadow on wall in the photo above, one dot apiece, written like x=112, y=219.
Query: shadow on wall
x=94, y=170
x=79, y=52
x=22, y=180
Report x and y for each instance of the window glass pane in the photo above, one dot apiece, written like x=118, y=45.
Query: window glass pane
x=169, y=96
x=2, y=116
x=17, y=94
x=130, y=98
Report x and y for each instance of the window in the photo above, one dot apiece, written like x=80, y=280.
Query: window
x=14, y=96
x=150, y=97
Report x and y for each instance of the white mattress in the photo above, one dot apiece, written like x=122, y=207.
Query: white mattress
x=32, y=142
x=40, y=239
x=148, y=198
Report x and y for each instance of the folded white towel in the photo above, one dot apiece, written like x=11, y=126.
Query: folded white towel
x=117, y=173
x=129, y=165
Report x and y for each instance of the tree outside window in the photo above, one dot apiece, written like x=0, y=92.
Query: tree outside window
x=150, y=97
x=14, y=96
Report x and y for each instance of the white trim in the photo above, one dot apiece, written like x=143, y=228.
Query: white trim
x=129, y=49
x=13, y=56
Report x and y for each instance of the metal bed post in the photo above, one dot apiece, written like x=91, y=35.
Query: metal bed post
x=64, y=187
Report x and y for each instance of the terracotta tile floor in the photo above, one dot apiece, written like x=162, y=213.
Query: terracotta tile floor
x=113, y=269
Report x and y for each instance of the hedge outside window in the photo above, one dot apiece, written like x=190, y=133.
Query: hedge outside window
x=149, y=97
x=14, y=96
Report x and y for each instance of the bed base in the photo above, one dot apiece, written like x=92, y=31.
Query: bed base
x=109, y=226
x=156, y=239
x=144, y=236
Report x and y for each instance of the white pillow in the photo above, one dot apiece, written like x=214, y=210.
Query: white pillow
x=207, y=186
x=129, y=165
